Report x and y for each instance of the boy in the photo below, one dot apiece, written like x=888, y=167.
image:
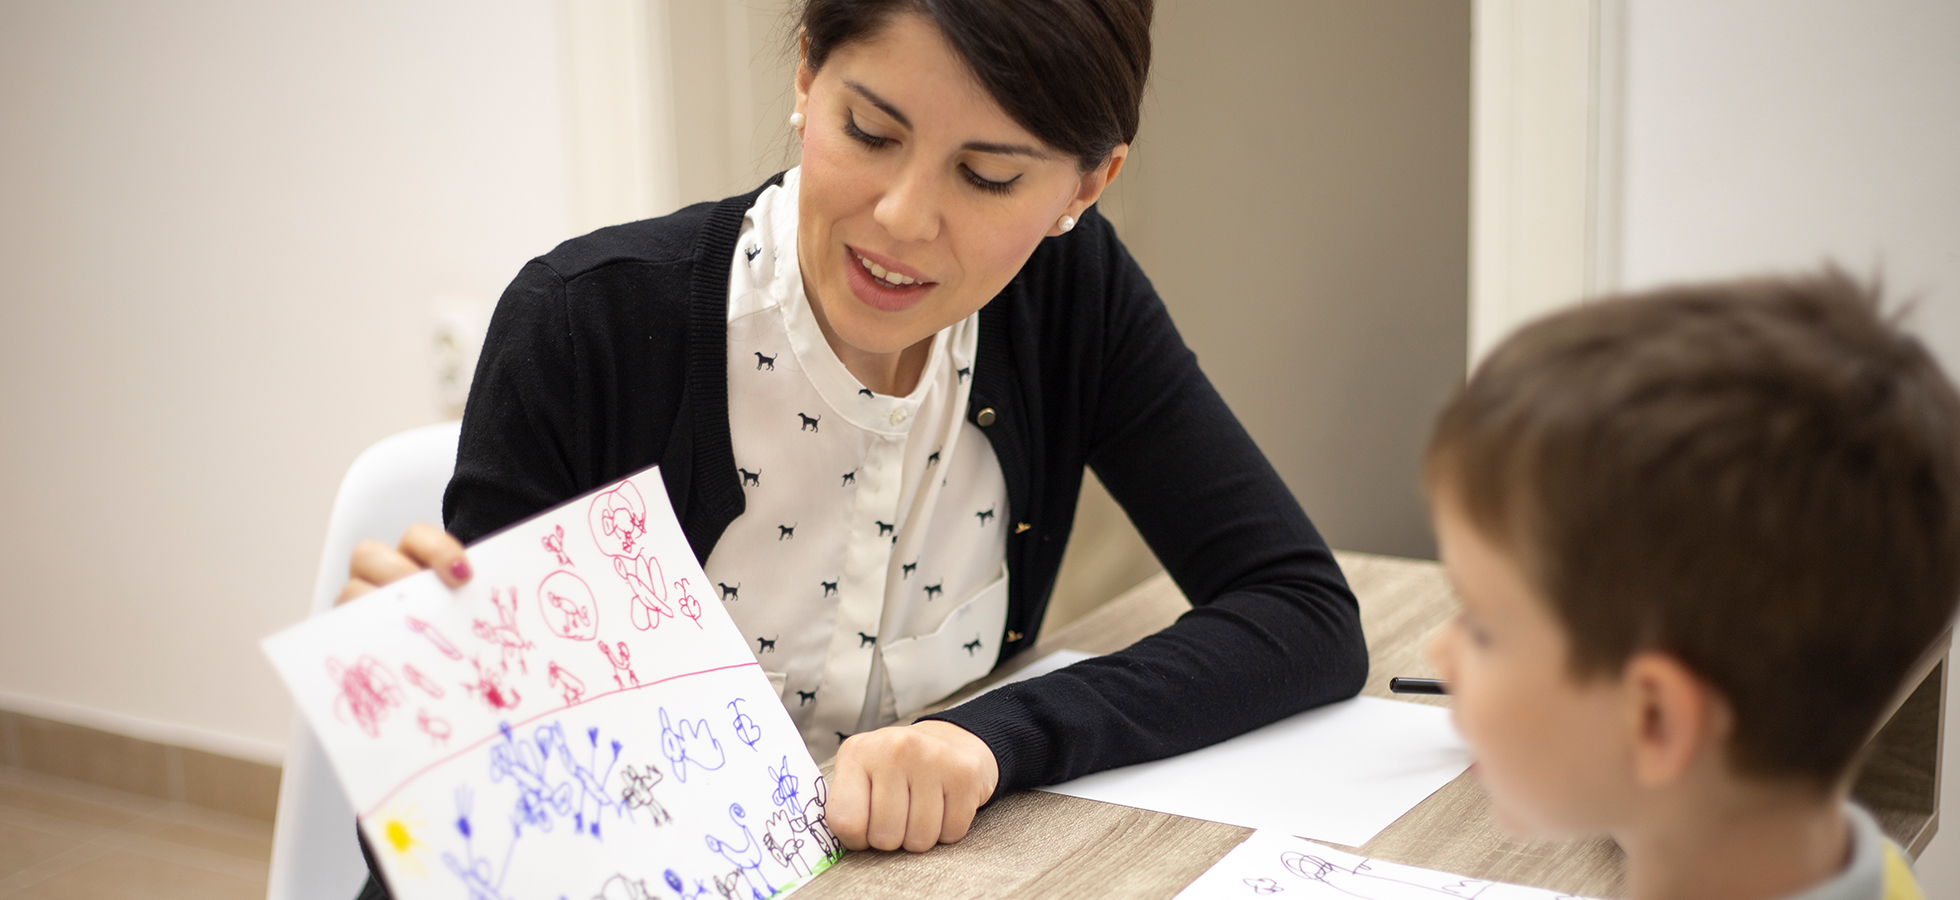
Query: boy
x=1700, y=536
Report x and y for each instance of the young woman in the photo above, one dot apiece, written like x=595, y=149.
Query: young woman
x=872, y=385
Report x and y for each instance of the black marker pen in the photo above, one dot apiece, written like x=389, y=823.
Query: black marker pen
x=1418, y=686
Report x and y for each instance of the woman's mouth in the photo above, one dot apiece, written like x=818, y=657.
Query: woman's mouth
x=881, y=287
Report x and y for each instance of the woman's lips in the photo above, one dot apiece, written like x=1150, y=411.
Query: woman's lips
x=880, y=293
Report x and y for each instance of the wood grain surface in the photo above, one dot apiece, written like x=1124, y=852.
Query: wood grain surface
x=1040, y=845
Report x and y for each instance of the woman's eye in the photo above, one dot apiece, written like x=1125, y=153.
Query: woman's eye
x=987, y=184
x=861, y=136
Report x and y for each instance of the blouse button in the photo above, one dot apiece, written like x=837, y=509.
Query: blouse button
x=898, y=416
x=985, y=417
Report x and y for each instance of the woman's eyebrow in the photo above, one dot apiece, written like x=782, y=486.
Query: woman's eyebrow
x=887, y=108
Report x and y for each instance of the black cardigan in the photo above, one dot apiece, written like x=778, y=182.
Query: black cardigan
x=609, y=354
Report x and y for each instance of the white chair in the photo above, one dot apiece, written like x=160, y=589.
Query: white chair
x=392, y=484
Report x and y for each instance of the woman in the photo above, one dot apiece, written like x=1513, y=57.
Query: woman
x=872, y=386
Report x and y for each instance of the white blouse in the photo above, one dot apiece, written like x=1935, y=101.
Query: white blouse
x=869, y=567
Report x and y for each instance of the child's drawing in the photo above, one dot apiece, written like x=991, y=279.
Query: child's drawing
x=367, y=692
x=619, y=887
x=745, y=728
x=747, y=857
x=421, y=682
x=437, y=729
x=619, y=525
x=555, y=543
x=638, y=792
x=503, y=633
x=1273, y=863
x=435, y=637
x=479, y=877
x=489, y=685
x=692, y=743
x=689, y=606
x=569, y=685
x=785, y=793
x=622, y=663
x=568, y=608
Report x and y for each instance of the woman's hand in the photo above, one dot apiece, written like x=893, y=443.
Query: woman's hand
x=423, y=546
x=912, y=786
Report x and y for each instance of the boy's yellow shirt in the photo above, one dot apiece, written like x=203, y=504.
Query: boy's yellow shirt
x=1899, y=881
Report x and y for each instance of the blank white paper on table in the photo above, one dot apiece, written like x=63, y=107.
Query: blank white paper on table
x=581, y=720
x=1273, y=862
x=1340, y=773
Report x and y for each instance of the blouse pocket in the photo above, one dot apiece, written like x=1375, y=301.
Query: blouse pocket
x=930, y=667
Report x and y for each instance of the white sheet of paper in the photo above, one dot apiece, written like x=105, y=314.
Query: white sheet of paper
x=1273, y=862
x=582, y=719
x=1340, y=773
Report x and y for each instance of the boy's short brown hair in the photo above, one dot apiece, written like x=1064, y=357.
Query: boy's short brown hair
x=1760, y=478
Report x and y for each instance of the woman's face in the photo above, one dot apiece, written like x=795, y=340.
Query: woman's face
x=920, y=196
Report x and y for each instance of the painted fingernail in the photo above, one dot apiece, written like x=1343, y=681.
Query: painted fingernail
x=460, y=570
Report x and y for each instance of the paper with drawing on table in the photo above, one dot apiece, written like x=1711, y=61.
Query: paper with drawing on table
x=1273, y=862
x=582, y=719
x=1340, y=773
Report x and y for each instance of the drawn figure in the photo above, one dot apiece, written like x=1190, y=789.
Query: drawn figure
x=985, y=515
x=730, y=591
x=933, y=590
x=566, y=683
x=1263, y=885
x=750, y=479
x=435, y=637
x=973, y=645
x=555, y=542
x=747, y=857
x=726, y=885
x=765, y=362
x=829, y=587
x=594, y=798
x=540, y=801
x=803, y=697
x=619, y=887
x=510, y=643
x=811, y=822
x=809, y=422
x=489, y=685
x=566, y=602
x=638, y=792
x=619, y=526
x=910, y=567
x=866, y=640
x=745, y=728
x=784, y=846
x=932, y=460
x=691, y=743
x=367, y=692
x=786, y=781
x=1361, y=881
x=483, y=881
x=622, y=664
x=689, y=606
x=850, y=478
x=765, y=645
x=436, y=729
x=884, y=529
x=421, y=681
x=785, y=532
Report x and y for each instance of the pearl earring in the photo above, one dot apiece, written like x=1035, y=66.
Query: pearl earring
x=796, y=120
x=1067, y=223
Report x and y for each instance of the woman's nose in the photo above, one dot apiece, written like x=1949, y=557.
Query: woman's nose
x=909, y=210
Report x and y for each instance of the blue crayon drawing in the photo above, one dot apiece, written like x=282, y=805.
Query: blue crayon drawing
x=475, y=871
x=745, y=727
x=619, y=887
x=578, y=791
x=785, y=793
x=747, y=857
x=691, y=743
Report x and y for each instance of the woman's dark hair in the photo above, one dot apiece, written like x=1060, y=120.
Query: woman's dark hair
x=1069, y=71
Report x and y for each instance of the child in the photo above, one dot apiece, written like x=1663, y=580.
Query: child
x=1700, y=536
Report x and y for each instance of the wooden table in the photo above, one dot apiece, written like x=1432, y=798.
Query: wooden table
x=1041, y=845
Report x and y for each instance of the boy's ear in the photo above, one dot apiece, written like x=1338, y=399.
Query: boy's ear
x=1673, y=718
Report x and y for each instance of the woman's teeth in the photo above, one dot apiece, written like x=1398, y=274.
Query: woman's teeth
x=880, y=272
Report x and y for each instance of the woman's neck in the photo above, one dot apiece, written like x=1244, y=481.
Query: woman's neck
x=891, y=374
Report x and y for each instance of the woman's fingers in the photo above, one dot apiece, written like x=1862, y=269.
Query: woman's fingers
x=914, y=786
x=434, y=548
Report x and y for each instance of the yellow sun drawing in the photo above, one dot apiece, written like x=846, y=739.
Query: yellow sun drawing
x=398, y=830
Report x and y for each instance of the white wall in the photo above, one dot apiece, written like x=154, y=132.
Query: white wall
x=1767, y=134
x=223, y=226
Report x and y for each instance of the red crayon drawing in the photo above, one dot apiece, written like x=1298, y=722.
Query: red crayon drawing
x=435, y=728
x=690, y=607
x=504, y=633
x=489, y=685
x=622, y=664
x=555, y=542
x=573, y=688
x=435, y=637
x=619, y=526
x=367, y=692
x=421, y=681
x=568, y=608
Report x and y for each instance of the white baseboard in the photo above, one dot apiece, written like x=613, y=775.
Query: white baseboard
x=253, y=749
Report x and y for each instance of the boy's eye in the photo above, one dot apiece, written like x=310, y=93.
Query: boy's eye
x=1472, y=629
x=861, y=136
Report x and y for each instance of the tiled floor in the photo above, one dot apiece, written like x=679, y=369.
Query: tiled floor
x=64, y=840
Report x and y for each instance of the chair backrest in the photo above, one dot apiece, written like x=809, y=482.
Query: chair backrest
x=396, y=482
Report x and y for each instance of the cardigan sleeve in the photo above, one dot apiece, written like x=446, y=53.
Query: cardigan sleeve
x=1274, y=628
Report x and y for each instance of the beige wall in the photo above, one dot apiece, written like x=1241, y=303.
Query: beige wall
x=224, y=226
